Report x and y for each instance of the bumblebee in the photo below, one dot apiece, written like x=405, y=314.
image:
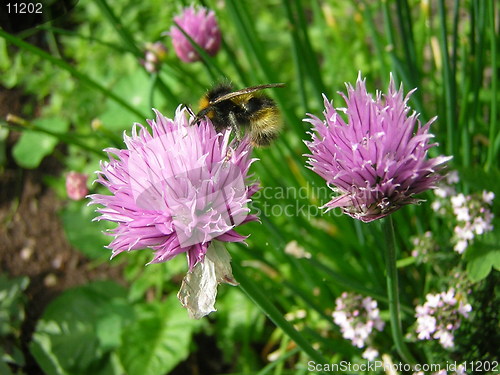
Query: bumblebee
x=247, y=108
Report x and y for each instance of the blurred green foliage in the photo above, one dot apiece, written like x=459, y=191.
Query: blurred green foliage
x=448, y=50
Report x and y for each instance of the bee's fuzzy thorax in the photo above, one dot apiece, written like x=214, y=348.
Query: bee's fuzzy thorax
x=246, y=108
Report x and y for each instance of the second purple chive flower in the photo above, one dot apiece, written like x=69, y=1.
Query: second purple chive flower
x=374, y=152
x=201, y=25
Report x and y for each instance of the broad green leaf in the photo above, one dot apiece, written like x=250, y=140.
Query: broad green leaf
x=33, y=146
x=69, y=338
x=11, y=303
x=481, y=259
x=158, y=340
x=135, y=90
x=154, y=275
x=83, y=233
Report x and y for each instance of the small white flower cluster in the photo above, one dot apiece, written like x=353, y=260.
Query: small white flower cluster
x=474, y=217
x=472, y=212
x=423, y=245
x=440, y=316
x=357, y=317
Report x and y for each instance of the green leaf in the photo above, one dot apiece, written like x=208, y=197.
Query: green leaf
x=238, y=319
x=33, y=146
x=481, y=259
x=134, y=89
x=156, y=342
x=4, y=369
x=69, y=338
x=4, y=132
x=83, y=233
x=147, y=278
x=4, y=56
x=479, y=180
x=11, y=303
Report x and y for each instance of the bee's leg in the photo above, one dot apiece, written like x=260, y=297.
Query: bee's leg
x=190, y=111
x=234, y=128
x=192, y=114
x=229, y=155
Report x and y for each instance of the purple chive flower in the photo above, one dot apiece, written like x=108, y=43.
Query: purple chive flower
x=176, y=188
x=201, y=25
x=76, y=185
x=373, y=155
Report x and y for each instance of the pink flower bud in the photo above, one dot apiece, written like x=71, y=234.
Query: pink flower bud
x=201, y=25
x=76, y=185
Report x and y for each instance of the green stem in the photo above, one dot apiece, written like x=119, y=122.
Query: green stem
x=393, y=290
x=260, y=299
x=127, y=37
x=22, y=125
x=129, y=41
x=494, y=137
x=449, y=85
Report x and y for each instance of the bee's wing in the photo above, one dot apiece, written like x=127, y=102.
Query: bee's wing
x=247, y=90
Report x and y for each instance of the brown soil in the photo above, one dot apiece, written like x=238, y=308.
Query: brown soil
x=32, y=241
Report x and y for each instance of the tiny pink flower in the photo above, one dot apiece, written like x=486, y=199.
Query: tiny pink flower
x=473, y=216
x=154, y=55
x=446, y=339
x=370, y=354
x=449, y=297
x=433, y=300
x=426, y=327
x=201, y=25
x=357, y=317
x=464, y=309
x=76, y=185
x=452, y=177
x=440, y=316
x=460, y=246
x=488, y=197
x=375, y=155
